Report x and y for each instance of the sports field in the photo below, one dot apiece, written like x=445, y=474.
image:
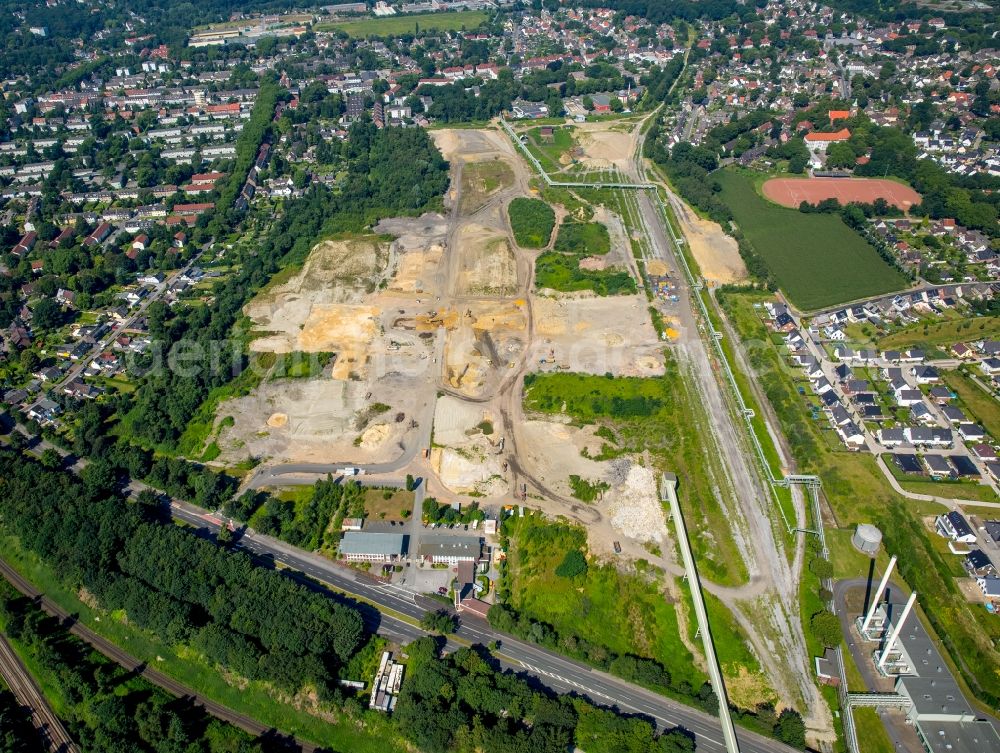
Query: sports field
x=395, y=25
x=790, y=192
x=817, y=260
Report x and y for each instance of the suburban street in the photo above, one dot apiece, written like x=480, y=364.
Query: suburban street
x=74, y=373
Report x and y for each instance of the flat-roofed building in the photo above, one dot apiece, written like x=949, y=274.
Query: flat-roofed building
x=450, y=549
x=366, y=546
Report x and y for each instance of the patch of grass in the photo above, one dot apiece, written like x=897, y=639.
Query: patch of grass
x=393, y=26
x=532, y=221
x=387, y=504
x=627, y=613
x=945, y=332
x=550, y=150
x=587, y=491
x=557, y=271
x=872, y=731
x=584, y=238
x=981, y=406
x=480, y=180
x=298, y=365
x=817, y=260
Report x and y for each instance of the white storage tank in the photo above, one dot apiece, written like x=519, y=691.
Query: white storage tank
x=867, y=538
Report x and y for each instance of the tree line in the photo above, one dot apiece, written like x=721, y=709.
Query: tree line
x=252, y=621
x=102, y=705
x=461, y=702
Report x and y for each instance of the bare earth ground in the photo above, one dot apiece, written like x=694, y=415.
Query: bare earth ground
x=446, y=341
x=595, y=335
x=791, y=192
x=716, y=253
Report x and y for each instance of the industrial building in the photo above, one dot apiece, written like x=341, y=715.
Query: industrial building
x=450, y=550
x=366, y=546
x=926, y=690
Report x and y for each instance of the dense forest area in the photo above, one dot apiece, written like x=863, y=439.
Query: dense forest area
x=17, y=733
x=255, y=622
x=460, y=702
x=104, y=707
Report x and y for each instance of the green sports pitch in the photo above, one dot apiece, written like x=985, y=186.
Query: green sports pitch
x=817, y=260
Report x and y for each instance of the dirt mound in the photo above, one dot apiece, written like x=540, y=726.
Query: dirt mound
x=717, y=254
x=604, y=148
x=635, y=509
x=277, y=420
x=374, y=436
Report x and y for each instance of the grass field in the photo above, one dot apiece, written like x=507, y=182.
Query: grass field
x=397, y=25
x=661, y=416
x=817, y=260
x=942, y=332
x=586, y=238
x=625, y=613
x=977, y=402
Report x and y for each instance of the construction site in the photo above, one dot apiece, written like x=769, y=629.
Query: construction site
x=434, y=322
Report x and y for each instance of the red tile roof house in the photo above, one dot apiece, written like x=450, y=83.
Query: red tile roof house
x=195, y=209
x=101, y=232
x=818, y=137
x=25, y=244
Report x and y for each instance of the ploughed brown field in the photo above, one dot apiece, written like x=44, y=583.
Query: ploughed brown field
x=790, y=192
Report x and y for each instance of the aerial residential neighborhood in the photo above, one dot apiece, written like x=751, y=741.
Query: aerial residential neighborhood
x=495, y=375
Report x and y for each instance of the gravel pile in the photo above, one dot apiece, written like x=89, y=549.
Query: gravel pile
x=634, y=506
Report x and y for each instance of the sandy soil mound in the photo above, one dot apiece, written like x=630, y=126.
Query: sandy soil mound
x=470, y=469
x=717, y=254
x=454, y=419
x=277, y=420
x=374, y=436
x=603, y=149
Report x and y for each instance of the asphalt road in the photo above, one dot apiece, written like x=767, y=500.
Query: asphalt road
x=28, y=694
x=550, y=669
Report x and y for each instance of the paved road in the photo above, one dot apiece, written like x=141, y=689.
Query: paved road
x=126, y=660
x=28, y=694
x=380, y=603
x=552, y=670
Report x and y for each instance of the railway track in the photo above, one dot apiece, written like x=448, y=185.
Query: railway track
x=159, y=679
x=28, y=694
